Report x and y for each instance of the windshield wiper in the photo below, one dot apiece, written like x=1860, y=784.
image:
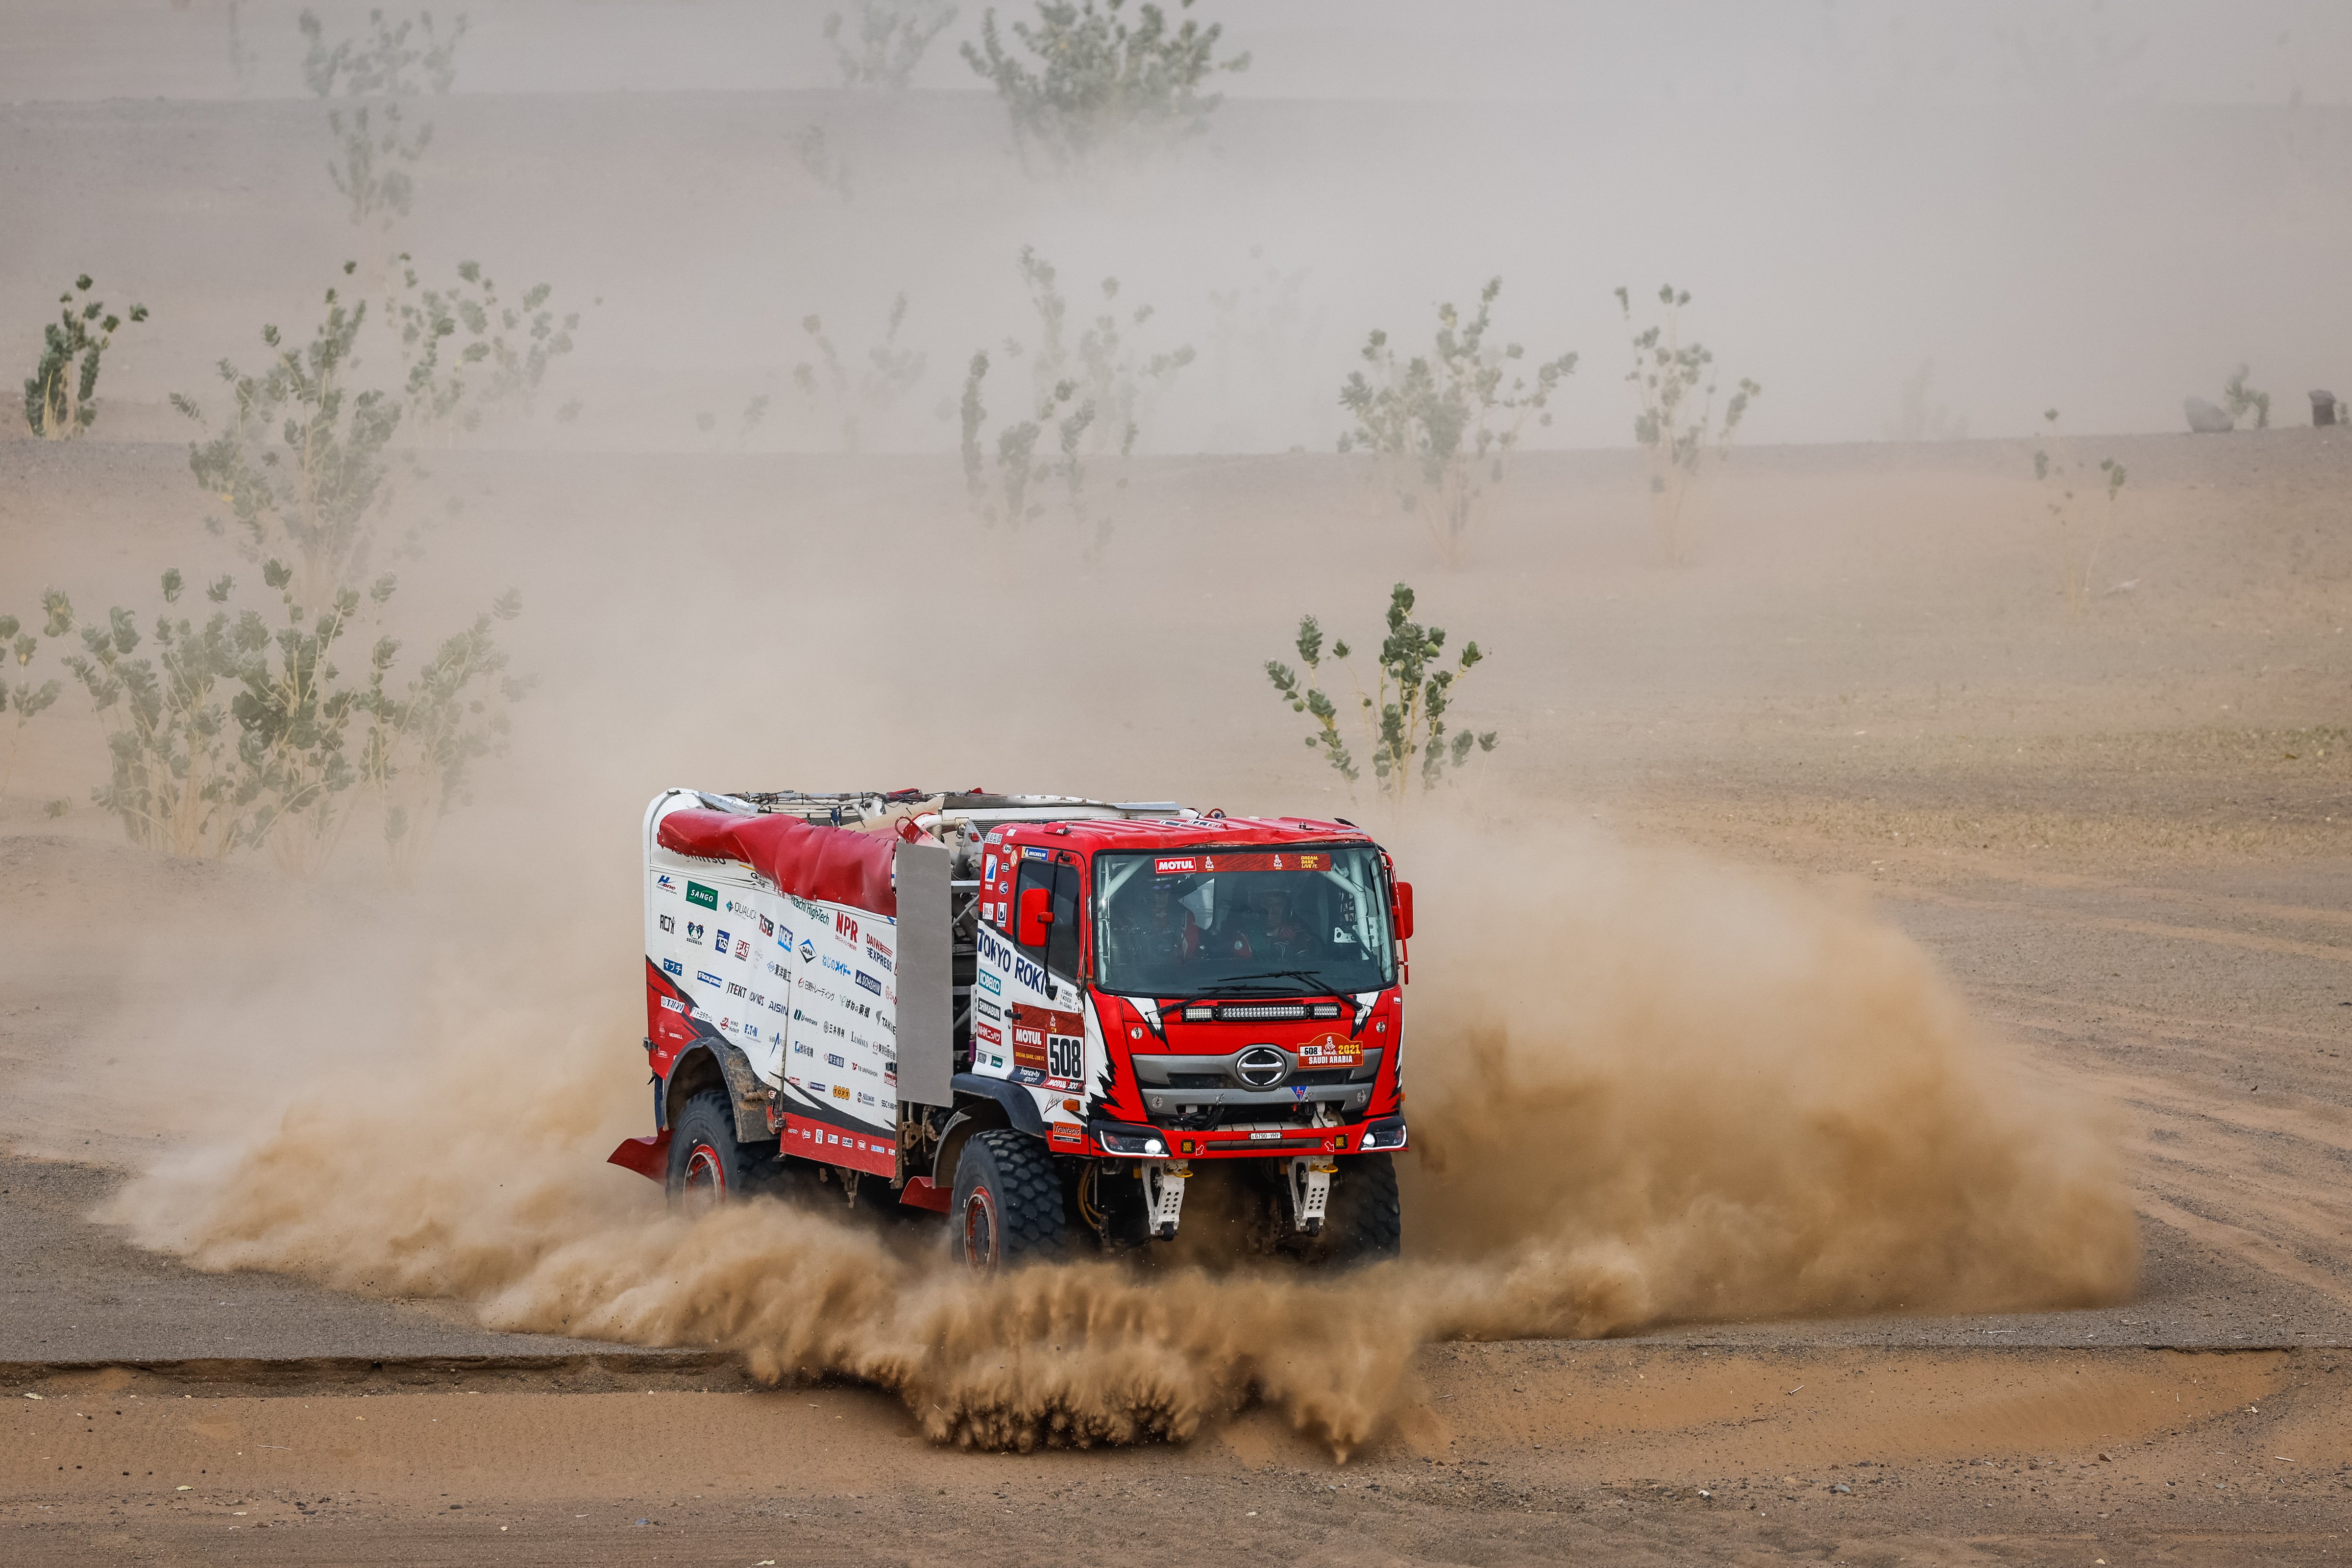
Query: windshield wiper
x=1316, y=982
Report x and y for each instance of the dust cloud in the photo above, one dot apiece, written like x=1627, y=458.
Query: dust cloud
x=1645, y=1089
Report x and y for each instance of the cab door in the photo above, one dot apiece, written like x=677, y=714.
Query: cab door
x=1046, y=1028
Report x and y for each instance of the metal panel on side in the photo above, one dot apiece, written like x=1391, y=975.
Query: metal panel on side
x=926, y=974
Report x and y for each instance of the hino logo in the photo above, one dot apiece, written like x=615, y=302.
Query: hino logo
x=1260, y=1067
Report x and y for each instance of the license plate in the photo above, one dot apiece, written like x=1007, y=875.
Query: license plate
x=1254, y=1136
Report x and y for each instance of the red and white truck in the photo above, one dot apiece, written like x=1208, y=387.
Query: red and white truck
x=1043, y=1017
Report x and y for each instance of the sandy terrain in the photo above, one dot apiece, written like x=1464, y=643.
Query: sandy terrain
x=1984, y=940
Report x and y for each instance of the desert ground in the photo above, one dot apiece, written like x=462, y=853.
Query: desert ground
x=1850, y=834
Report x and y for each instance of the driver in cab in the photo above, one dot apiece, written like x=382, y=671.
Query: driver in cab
x=1269, y=929
x=1158, y=928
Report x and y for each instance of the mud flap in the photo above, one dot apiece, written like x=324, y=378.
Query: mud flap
x=647, y=1157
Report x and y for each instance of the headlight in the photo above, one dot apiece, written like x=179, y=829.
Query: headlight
x=1386, y=1134
x=1132, y=1141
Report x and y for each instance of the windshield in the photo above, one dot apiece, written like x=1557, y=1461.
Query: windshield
x=1289, y=922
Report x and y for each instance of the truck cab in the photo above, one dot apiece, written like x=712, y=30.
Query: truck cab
x=1087, y=1006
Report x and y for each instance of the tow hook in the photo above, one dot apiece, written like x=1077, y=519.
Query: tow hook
x=1310, y=1192
x=1163, y=1195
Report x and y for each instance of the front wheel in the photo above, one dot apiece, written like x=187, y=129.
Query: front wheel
x=1364, y=1220
x=707, y=1166
x=1007, y=1206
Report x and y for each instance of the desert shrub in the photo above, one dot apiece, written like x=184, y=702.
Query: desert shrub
x=21, y=696
x=374, y=74
x=60, y=396
x=471, y=356
x=2242, y=400
x=244, y=731
x=1090, y=395
x=1441, y=425
x=1675, y=387
x=825, y=164
x=1097, y=84
x=2081, y=509
x=301, y=463
x=847, y=398
x=890, y=41
x=1010, y=497
x=1263, y=345
x=1916, y=419
x=1404, y=716
x=174, y=776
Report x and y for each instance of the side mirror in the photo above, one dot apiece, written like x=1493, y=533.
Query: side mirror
x=1034, y=916
x=1402, y=911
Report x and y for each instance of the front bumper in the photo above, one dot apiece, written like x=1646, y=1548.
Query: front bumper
x=1384, y=1135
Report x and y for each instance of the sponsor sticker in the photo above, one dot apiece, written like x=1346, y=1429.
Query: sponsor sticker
x=669, y=922
x=766, y=926
x=708, y=978
x=1032, y=852
x=990, y=984
x=1174, y=865
x=808, y=951
x=672, y=1004
x=832, y=1061
x=694, y=932
x=734, y=988
x=989, y=1010
x=878, y=954
x=869, y=983
x=665, y=884
x=742, y=948
x=841, y=1091
x=987, y=1033
x=673, y=968
x=719, y=941
x=696, y=893
x=846, y=929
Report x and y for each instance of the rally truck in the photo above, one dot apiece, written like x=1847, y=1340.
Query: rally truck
x=1043, y=1017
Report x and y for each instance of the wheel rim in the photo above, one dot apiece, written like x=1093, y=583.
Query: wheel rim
x=704, y=1183
x=979, y=1229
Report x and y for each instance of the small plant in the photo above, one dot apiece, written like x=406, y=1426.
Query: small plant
x=2079, y=521
x=374, y=74
x=1441, y=425
x=60, y=396
x=891, y=37
x=889, y=374
x=173, y=778
x=1916, y=419
x=1674, y=384
x=244, y=731
x=1263, y=344
x=1020, y=471
x=2242, y=400
x=301, y=464
x=1404, y=713
x=423, y=741
x=1091, y=396
x=18, y=694
x=1098, y=84
x=825, y=164
x=471, y=356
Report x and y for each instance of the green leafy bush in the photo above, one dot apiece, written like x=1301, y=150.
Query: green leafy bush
x=2242, y=400
x=2080, y=523
x=1090, y=395
x=20, y=695
x=374, y=74
x=848, y=399
x=302, y=462
x=890, y=40
x=471, y=356
x=1092, y=83
x=60, y=396
x=1441, y=425
x=1404, y=716
x=1674, y=384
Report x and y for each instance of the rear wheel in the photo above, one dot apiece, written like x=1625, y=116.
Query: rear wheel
x=707, y=1166
x=1008, y=1206
x=1364, y=1221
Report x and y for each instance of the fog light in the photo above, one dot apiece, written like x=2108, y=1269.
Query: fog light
x=1387, y=1135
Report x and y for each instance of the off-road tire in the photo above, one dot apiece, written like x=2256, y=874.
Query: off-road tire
x=706, y=1163
x=1008, y=1206
x=1364, y=1221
